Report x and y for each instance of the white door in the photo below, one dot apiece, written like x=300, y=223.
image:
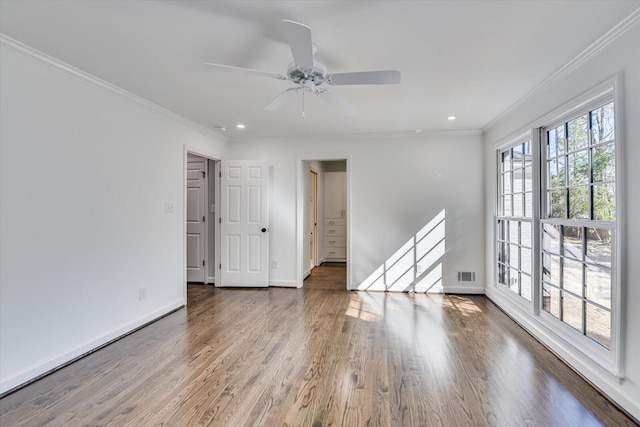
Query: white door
x=196, y=229
x=244, y=230
x=313, y=218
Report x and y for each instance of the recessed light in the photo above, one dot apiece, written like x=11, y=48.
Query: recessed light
x=451, y=118
x=240, y=126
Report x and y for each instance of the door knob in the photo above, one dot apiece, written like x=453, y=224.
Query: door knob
x=264, y=230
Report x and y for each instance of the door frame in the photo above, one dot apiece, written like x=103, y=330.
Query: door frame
x=206, y=155
x=205, y=251
x=300, y=201
x=315, y=210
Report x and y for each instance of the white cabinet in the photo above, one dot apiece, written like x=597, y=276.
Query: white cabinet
x=335, y=216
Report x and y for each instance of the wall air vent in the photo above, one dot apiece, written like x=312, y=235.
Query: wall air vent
x=466, y=276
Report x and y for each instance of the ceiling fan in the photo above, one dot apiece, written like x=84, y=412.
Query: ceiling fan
x=310, y=75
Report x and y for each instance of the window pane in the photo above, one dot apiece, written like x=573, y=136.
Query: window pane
x=604, y=163
x=551, y=300
x=556, y=173
x=506, y=160
x=518, y=204
x=525, y=286
x=516, y=157
x=572, y=276
x=557, y=204
x=513, y=232
x=551, y=269
x=579, y=202
x=502, y=274
x=514, y=281
x=599, y=285
x=556, y=141
x=506, y=206
x=573, y=242
x=528, y=179
x=598, y=326
x=603, y=124
x=525, y=260
x=604, y=202
x=518, y=180
x=579, y=168
x=525, y=234
x=528, y=205
x=514, y=256
x=599, y=246
x=506, y=183
x=551, y=238
x=578, y=133
x=572, y=311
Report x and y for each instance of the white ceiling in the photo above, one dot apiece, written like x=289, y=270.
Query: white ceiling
x=471, y=59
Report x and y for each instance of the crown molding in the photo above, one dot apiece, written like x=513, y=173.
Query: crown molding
x=589, y=52
x=33, y=54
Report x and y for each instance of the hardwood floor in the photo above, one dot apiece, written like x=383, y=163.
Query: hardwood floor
x=314, y=357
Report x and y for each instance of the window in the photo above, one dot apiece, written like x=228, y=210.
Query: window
x=514, y=223
x=578, y=222
x=557, y=226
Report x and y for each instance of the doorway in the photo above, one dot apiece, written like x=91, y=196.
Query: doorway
x=323, y=235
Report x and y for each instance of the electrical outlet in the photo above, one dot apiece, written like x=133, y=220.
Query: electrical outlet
x=274, y=264
x=168, y=207
x=142, y=293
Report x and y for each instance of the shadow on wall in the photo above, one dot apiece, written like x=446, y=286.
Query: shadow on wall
x=416, y=266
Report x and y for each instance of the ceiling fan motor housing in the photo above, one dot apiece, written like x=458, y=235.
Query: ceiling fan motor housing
x=316, y=75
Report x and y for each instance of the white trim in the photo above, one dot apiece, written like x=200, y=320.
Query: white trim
x=585, y=55
x=211, y=280
x=368, y=136
x=466, y=290
x=33, y=54
x=60, y=360
x=284, y=283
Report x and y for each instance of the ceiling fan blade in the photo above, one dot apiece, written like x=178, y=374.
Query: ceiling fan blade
x=336, y=101
x=248, y=71
x=383, y=77
x=280, y=100
x=299, y=37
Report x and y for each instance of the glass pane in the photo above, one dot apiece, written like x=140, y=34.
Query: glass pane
x=599, y=246
x=557, y=204
x=551, y=300
x=551, y=269
x=604, y=163
x=551, y=144
x=573, y=242
x=528, y=205
x=598, y=326
x=505, y=253
x=518, y=204
x=603, y=123
x=527, y=154
x=572, y=311
x=516, y=157
x=514, y=282
x=556, y=141
x=579, y=202
x=579, y=168
x=525, y=260
x=506, y=183
x=506, y=206
x=525, y=234
x=599, y=285
x=551, y=238
x=506, y=160
x=502, y=274
x=528, y=179
x=518, y=181
x=525, y=286
x=556, y=173
x=513, y=232
x=604, y=202
x=578, y=133
x=514, y=256
x=572, y=276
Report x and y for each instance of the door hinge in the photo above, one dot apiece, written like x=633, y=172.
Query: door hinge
x=220, y=220
x=204, y=219
x=204, y=174
x=220, y=266
x=203, y=263
x=220, y=174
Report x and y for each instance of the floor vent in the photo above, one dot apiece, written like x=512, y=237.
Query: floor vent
x=466, y=276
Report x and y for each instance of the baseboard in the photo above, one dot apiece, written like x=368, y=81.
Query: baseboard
x=603, y=381
x=36, y=372
x=283, y=283
x=211, y=280
x=464, y=290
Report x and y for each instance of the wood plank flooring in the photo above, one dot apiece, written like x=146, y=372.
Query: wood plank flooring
x=318, y=357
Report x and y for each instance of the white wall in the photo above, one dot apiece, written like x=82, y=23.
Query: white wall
x=619, y=57
x=398, y=184
x=85, y=175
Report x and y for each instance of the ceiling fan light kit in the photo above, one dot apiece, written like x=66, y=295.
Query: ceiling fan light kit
x=309, y=75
